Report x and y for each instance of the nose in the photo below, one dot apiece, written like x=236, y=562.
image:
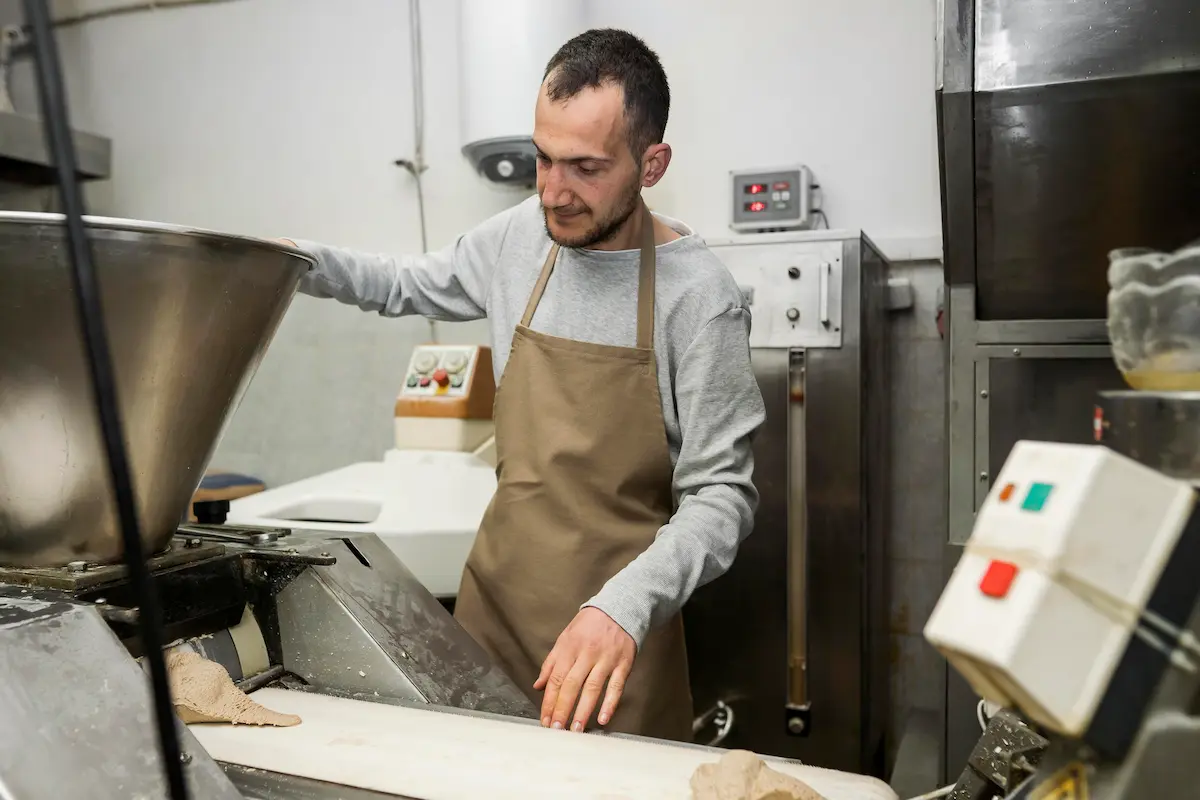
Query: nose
x=555, y=192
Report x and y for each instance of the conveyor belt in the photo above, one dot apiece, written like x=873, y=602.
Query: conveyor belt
x=432, y=755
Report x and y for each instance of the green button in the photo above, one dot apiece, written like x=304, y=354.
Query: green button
x=1036, y=498
x=456, y=381
x=412, y=381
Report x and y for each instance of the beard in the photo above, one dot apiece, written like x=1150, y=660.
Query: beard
x=604, y=228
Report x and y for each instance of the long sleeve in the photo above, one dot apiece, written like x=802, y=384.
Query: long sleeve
x=450, y=285
x=720, y=409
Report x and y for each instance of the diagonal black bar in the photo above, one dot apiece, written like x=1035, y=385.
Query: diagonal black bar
x=87, y=295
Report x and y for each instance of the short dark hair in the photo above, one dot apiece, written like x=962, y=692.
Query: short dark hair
x=606, y=56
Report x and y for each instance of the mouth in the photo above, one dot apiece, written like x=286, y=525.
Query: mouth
x=566, y=214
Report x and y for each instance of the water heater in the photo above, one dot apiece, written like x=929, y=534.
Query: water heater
x=504, y=46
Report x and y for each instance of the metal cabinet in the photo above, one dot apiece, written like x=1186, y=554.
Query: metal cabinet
x=788, y=650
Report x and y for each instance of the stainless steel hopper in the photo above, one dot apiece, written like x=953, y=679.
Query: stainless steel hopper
x=189, y=314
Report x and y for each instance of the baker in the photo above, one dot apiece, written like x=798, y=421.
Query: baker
x=625, y=406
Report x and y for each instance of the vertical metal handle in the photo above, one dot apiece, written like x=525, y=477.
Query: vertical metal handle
x=825, y=274
x=797, y=548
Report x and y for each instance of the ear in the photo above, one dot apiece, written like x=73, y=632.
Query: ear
x=655, y=163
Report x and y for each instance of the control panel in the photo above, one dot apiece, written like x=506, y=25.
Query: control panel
x=1068, y=551
x=435, y=371
x=772, y=199
x=448, y=381
x=793, y=288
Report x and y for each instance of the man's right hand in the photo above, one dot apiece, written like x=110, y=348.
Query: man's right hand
x=288, y=242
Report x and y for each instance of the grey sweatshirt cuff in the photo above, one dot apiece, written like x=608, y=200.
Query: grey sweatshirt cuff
x=624, y=609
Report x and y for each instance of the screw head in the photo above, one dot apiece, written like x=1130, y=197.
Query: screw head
x=983, y=393
x=796, y=725
x=185, y=758
x=1016, y=351
x=983, y=476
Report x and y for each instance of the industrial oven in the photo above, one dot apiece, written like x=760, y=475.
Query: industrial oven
x=788, y=649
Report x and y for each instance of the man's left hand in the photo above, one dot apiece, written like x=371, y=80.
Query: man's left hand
x=592, y=651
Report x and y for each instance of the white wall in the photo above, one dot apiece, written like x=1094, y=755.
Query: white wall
x=283, y=117
x=846, y=87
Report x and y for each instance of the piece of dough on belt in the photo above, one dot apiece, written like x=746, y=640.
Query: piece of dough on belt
x=741, y=775
x=202, y=691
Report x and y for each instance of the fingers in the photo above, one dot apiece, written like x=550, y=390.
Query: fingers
x=616, y=686
x=568, y=694
x=547, y=667
x=552, y=684
x=592, y=687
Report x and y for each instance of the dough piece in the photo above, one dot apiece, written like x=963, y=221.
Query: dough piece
x=202, y=691
x=741, y=775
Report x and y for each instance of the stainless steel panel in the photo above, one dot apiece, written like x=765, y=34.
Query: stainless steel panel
x=24, y=158
x=1158, y=429
x=76, y=712
x=1043, y=397
x=324, y=643
x=1042, y=331
x=370, y=607
x=1066, y=173
x=832, y=534
x=189, y=314
x=1037, y=42
x=259, y=784
x=736, y=626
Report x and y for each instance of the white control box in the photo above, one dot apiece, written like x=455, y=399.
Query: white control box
x=1067, y=549
x=793, y=285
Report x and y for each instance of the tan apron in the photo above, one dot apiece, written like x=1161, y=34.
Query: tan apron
x=584, y=484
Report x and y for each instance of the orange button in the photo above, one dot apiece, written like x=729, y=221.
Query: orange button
x=998, y=579
x=441, y=377
x=1007, y=492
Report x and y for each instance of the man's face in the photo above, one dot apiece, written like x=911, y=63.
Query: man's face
x=587, y=178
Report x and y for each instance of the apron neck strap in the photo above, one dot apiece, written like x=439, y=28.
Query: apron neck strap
x=645, y=307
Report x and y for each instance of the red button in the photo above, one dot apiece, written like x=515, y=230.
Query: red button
x=441, y=377
x=424, y=382
x=998, y=579
x=1007, y=492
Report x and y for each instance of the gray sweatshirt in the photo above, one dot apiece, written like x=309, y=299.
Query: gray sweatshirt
x=710, y=399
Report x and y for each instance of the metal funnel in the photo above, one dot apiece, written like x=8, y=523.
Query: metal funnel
x=189, y=315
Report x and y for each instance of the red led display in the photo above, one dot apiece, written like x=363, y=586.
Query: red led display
x=756, y=205
x=756, y=188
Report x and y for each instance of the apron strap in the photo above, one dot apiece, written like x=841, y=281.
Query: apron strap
x=540, y=286
x=645, y=307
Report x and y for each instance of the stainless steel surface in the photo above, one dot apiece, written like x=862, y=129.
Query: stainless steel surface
x=24, y=158
x=821, y=471
x=80, y=576
x=189, y=315
x=1090, y=108
x=1067, y=172
x=366, y=625
x=1037, y=42
x=1046, y=394
x=76, y=711
x=259, y=784
x=1158, y=429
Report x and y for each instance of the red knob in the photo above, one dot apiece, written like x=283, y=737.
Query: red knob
x=441, y=377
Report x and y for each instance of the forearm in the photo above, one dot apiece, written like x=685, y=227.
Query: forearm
x=452, y=284
x=394, y=286
x=720, y=410
x=695, y=547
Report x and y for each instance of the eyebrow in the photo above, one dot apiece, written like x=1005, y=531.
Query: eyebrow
x=575, y=159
